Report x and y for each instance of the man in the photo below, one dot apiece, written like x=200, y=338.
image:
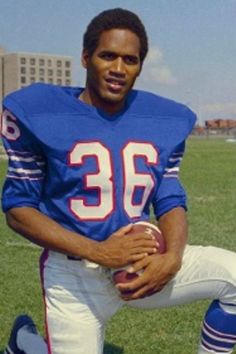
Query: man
x=84, y=164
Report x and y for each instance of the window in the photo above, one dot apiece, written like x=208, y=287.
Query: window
x=41, y=79
x=32, y=61
x=23, y=60
x=23, y=79
x=67, y=72
x=59, y=72
x=50, y=80
x=59, y=63
x=32, y=80
x=41, y=62
x=32, y=71
x=49, y=62
x=22, y=70
x=50, y=72
x=67, y=64
x=59, y=82
x=41, y=71
x=68, y=82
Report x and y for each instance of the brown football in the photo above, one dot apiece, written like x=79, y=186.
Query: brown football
x=121, y=275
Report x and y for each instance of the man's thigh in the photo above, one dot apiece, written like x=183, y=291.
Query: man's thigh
x=206, y=272
x=79, y=300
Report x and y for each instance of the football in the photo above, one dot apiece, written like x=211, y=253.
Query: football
x=121, y=275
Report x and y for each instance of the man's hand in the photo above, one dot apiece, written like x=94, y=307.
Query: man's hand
x=121, y=248
x=159, y=269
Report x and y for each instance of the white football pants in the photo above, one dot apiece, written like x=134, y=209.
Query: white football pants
x=80, y=297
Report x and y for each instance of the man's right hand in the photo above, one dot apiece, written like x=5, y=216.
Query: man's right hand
x=121, y=248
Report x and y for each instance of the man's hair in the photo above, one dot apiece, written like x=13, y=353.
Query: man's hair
x=115, y=19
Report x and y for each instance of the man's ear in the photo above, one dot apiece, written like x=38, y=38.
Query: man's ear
x=84, y=58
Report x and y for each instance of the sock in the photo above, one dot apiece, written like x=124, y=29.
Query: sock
x=219, y=329
x=30, y=343
x=203, y=351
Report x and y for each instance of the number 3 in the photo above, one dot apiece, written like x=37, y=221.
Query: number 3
x=103, y=179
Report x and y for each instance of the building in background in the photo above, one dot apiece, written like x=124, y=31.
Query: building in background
x=21, y=69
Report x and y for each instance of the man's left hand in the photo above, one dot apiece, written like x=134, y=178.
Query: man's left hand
x=158, y=270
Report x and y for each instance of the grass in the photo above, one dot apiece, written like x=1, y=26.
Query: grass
x=209, y=176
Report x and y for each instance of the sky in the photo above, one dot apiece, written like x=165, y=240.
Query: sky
x=192, y=56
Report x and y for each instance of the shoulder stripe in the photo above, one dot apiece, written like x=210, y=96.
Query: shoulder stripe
x=25, y=165
x=24, y=177
x=24, y=171
x=175, y=159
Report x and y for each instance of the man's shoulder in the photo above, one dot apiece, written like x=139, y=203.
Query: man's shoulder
x=151, y=103
x=32, y=98
x=167, y=114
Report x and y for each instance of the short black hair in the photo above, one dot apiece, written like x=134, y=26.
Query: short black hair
x=112, y=19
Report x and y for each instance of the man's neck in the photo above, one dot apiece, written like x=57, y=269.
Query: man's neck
x=108, y=107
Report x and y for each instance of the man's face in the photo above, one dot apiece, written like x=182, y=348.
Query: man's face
x=112, y=69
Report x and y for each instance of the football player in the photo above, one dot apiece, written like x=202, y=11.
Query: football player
x=86, y=163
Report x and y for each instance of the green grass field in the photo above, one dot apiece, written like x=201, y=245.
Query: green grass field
x=209, y=176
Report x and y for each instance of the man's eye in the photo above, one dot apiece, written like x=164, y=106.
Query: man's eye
x=130, y=60
x=107, y=56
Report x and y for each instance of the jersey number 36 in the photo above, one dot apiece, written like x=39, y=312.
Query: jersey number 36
x=104, y=179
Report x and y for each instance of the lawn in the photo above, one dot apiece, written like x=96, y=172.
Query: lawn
x=209, y=176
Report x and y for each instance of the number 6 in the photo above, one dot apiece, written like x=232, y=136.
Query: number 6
x=9, y=129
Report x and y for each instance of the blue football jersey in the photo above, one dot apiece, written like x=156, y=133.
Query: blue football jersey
x=91, y=172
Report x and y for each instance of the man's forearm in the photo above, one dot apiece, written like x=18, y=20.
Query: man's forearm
x=175, y=230
x=115, y=251
x=40, y=229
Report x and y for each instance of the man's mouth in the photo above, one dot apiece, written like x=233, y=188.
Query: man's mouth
x=115, y=84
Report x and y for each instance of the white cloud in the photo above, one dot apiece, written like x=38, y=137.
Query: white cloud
x=155, y=69
x=154, y=55
x=226, y=110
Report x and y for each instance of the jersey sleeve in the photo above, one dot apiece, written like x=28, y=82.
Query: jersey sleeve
x=171, y=194
x=26, y=164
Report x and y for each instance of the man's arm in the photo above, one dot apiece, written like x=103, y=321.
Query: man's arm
x=118, y=250
x=174, y=228
x=159, y=269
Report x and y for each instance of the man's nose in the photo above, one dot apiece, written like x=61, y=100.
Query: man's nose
x=118, y=66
